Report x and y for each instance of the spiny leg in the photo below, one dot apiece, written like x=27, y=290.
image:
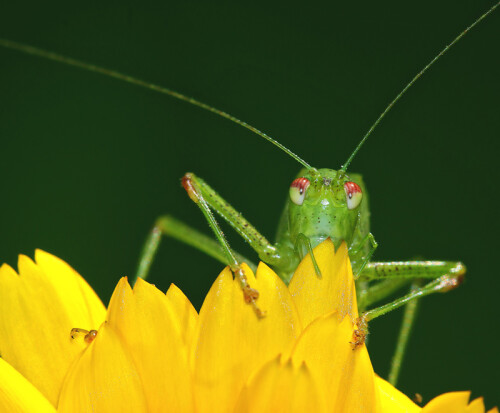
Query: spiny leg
x=442, y=284
x=448, y=275
x=395, y=274
x=410, y=269
x=280, y=256
x=195, y=191
x=169, y=226
x=267, y=252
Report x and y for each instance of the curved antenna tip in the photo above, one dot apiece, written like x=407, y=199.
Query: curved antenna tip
x=415, y=78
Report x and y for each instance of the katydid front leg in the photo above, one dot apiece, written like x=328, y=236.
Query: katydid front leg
x=358, y=252
x=281, y=256
x=395, y=274
x=198, y=194
x=207, y=199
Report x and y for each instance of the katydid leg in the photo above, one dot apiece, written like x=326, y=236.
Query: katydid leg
x=409, y=316
x=192, y=186
x=442, y=284
x=302, y=239
x=360, y=255
x=392, y=276
x=410, y=269
x=378, y=291
x=168, y=226
x=395, y=274
x=355, y=250
x=278, y=256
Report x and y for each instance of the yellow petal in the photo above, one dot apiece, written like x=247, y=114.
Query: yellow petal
x=103, y=379
x=232, y=342
x=454, y=402
x=345, y=375
x=185, y=313
x=38, y=309
x=280, y=388
x=18, y=395
x=476, y=406
x=392, y=400
x=83, y=304
x=150, y=332
x=334, y=291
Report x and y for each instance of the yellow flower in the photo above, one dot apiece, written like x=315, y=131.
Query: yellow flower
x=154, y=353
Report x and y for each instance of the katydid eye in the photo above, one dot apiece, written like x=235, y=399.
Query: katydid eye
x=353, y=194
x=298, y=190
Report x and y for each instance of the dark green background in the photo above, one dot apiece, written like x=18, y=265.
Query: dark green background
x=87, y=162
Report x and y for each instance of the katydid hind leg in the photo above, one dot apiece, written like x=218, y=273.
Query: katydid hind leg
x=168, y=226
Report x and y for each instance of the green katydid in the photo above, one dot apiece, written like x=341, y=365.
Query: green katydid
x=336, y=198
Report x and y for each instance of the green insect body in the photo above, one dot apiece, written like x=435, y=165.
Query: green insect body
x=323, y=203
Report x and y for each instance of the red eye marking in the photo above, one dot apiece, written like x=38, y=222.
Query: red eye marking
x=301, y=183
x=351, y=189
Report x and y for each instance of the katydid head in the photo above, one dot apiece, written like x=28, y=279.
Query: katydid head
x=324, y=203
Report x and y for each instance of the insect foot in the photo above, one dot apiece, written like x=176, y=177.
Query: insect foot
x=360, y=333
x=452, y=281
x=417, y=398
x=88, y=336
x=448, y=283
x=188, y=186
x=250, y=294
